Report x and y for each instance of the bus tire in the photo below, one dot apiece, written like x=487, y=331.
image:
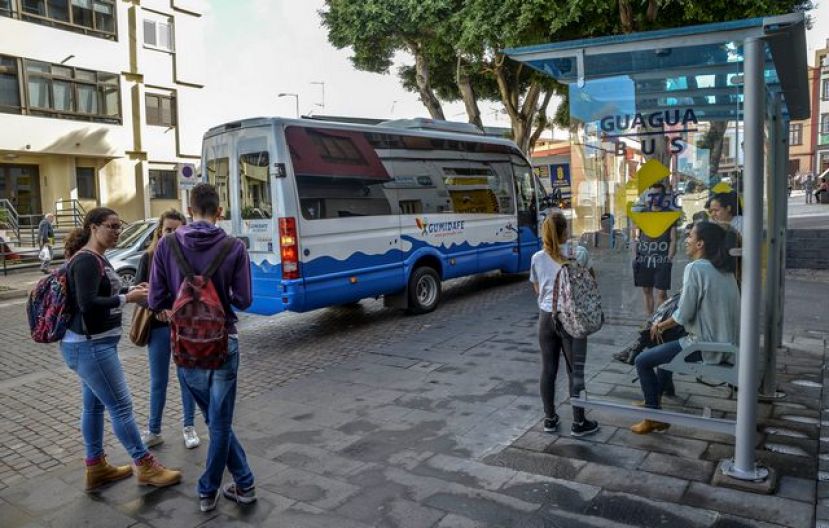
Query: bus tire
x=424, y=290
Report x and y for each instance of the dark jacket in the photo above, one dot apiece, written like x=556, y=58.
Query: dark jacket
x=200, y=243
x=45, y=232
x=93, y=294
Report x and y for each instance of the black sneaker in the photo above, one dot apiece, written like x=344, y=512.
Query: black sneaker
x=587, y=427
x=551, y=424
x=241, y=496
x=208, y=502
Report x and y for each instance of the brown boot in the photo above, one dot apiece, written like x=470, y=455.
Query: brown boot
x=152, y=473
x=649, y=426
x=103, y=472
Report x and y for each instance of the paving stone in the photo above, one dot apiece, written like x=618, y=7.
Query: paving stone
x=611, y=455
x=637, y=510
x=483, y=506
x=459, y=521
x=471, y=473
x=733, y=521
x=766, y=508
x=640, y=483
x=663, y=443
x=555, y=493
x=313, y=459
x=685, y=468
x=319, y=491
x=534, y=441
x=537, y=463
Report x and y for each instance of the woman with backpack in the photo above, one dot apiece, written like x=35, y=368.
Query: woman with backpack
x=552, y=338
x=158, y=348
x=90, y=349
x=708, y=308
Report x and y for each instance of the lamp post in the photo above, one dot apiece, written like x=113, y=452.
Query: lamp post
x=322, y=85
x=296, y=100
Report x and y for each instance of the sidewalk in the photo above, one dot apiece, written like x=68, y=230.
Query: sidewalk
x=442, y=428
x=16, y=285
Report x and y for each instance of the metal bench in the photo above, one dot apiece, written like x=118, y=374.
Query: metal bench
x=726, y=371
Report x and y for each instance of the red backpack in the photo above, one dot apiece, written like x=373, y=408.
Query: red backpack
x=198, y=323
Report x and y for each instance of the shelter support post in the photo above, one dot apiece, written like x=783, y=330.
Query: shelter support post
x=743, y=466
x=777, y=199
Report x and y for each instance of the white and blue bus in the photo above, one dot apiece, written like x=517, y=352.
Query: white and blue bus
x=333, y=213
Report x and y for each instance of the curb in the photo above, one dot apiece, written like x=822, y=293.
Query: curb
x=13, y=294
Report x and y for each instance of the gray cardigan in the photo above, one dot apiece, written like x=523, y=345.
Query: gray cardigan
x=709, y=307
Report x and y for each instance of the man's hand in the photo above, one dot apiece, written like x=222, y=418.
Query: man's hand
x=138, y=294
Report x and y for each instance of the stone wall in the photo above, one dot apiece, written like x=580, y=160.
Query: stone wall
x=807, y=248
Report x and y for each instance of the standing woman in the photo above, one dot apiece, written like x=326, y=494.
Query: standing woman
x=708, y=308
x=552, y=339
x=90, y=349
x=159, y=348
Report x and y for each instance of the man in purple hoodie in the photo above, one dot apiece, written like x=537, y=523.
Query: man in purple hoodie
x=214, y=391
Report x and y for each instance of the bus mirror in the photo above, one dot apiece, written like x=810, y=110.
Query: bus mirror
x=280, y=171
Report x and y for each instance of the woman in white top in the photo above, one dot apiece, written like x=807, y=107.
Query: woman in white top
x=552, y=339
x=725, y=208
x=708, y=308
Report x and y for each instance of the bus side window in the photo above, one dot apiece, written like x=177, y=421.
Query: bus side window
x=525, y=194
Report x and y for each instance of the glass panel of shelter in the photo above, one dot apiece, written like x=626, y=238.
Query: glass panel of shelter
x=650, y=149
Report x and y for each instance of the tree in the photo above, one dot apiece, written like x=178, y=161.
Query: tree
x=457, y=45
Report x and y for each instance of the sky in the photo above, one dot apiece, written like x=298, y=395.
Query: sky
x=257, y=49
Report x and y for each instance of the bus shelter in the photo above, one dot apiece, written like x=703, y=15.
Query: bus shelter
x=660, y=122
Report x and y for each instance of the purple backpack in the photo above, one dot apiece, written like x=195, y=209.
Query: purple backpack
x=48, y=307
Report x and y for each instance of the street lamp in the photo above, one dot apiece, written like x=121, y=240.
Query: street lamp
x=322, y=85
x=296, y=100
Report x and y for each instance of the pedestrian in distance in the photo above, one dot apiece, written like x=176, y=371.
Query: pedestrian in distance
x=653, y=256
x=158, y=349
x=809, y=188
x=45, y=241
x=822, y=189
x=552, y=338
x=708, y=309
x=200, y=274
x=90, y=349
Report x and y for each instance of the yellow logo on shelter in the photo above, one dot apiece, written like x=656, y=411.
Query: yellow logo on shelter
x=654, y=223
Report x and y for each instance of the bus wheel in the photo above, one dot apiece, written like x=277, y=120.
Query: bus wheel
x=424, y=290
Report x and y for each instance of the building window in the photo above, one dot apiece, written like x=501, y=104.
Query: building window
x=796, y=134
x=159, y=34
x=9, y=86
x=91, y=17
x=163, y=184
x=86, y=183
x=72, y=93
x=824, y=123
x=161, y=110
x=824, y=90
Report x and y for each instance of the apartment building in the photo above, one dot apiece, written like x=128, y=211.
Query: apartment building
x=98, y=103
x=820, y=109
x=801, y=137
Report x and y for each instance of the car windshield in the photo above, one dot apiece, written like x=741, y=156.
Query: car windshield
x=132, y=233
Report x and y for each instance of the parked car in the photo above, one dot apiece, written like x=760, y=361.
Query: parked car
x=133, y=242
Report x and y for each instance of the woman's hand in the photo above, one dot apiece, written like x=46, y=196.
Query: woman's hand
x=138, y=294
x=656, y=332
x=164, y=316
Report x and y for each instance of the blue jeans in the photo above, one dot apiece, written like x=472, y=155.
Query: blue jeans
x=654, y=383
x=159, y=357
x=103, y=385
x=215, y=393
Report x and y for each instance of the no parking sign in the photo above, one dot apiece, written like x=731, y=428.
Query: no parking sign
x=187, y=176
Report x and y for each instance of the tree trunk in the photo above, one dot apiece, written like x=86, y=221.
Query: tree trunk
x=424, y=84
x=626, y=16
x=542, y=120
x=470, y=100
x=653, y=10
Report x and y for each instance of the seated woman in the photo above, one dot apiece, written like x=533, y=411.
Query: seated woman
x=725, y=208
x=709, y=309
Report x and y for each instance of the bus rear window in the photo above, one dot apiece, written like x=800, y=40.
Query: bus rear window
x=218, y=172
x=255, y=189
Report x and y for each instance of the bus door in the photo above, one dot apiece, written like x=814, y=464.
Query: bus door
x=249, y=207
x=528, y=212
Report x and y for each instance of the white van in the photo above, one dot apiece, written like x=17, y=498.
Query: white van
x=333, y=213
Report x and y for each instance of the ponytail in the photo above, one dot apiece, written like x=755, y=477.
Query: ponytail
x=718, y=242
x=79, y=237
x=552, y=234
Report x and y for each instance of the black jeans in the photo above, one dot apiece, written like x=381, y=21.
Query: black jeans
x=554, y=341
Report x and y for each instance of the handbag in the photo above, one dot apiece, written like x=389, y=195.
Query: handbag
x=140, y=329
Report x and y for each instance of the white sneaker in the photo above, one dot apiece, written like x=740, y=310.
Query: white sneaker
x=151, y=439
x=191, y=438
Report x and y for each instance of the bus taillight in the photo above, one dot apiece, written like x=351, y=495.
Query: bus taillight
x=288, y=248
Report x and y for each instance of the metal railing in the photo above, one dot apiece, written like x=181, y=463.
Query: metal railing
x=69, y=213
x=9, y=219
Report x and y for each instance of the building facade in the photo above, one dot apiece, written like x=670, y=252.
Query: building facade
x=802, y=138
x=97, y=101
x=820, y=109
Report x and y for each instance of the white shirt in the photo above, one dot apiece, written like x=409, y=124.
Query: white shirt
x=543, y=271
x=737, y=223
